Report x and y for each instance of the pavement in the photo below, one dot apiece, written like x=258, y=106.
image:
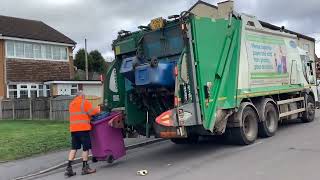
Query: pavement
x=293, y=153
x=13, y=169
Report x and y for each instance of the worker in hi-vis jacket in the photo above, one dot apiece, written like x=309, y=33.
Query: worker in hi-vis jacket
x=80, y=111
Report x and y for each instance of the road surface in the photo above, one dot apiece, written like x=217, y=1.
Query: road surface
x=292, y=154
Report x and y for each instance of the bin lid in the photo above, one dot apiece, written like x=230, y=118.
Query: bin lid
x=100, y=116
x=107, y=118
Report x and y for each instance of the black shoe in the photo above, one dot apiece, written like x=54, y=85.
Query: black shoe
x=87, y=170
x=69, y=172
x=94, y=159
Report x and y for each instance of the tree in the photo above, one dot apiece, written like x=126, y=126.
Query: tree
x=98, y=62
x=80, y=61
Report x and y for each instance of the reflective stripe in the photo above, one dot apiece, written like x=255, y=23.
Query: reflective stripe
x=91, y=110
x=77, y=113
x=80, y=122
x=82, y=104
x=79, y=119
x=81, y=108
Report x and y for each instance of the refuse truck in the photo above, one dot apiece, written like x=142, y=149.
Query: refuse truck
x=187, y=76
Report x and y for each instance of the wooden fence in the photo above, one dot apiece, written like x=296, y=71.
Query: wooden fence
x=40, y=108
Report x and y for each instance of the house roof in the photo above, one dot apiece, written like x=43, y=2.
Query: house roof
x=31, y=29
x=224, y=1
x=202, y=2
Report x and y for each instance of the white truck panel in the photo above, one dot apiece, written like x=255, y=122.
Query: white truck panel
x=269, y=58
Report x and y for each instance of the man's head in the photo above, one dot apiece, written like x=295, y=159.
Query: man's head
x=80, y=93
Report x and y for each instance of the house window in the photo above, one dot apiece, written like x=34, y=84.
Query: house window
x=74, y=89
x=33, y=91
x=30, y=50
x=12, y=91
x=64, y=53
x=40, y=90
x=47, y=90
x=23, y=91
x=48, y=52
x=19, y=49
x=37, y=51
x=10, y=48
x=43, y=51
x=28, y=91
x=56, y=52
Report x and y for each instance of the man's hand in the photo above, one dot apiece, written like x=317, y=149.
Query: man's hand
x=117, y=122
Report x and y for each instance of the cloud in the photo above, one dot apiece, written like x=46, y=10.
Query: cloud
x=100, y=20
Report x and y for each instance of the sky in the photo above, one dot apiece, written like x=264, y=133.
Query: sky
x=100, y=20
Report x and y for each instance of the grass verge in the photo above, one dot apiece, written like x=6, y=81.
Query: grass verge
x=23, y=138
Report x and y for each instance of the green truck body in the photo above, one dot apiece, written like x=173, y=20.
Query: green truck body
x=226, y=74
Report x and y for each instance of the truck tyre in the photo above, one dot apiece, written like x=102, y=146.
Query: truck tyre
x=269, y=122
x=248, y=132
x=309, y=114
x=189, y=140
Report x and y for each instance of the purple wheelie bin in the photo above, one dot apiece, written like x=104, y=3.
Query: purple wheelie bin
x=107, y=142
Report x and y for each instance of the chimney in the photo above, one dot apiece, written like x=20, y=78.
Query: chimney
x=225, y=8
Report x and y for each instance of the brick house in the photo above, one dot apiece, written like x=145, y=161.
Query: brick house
x=31, y=53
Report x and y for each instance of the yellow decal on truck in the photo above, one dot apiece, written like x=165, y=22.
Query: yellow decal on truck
x=117, y=50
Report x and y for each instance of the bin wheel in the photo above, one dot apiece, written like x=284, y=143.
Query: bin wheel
x=94, y=159
x=110, y=159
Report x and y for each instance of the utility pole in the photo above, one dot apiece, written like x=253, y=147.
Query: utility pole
x=86, y=58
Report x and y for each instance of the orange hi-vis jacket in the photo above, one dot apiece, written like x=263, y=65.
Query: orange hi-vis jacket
x=81, y=111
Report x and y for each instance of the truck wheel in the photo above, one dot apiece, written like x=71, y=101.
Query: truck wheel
x=309, y=114
x=248, y=132
x=189, y=140
x=269, y=124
